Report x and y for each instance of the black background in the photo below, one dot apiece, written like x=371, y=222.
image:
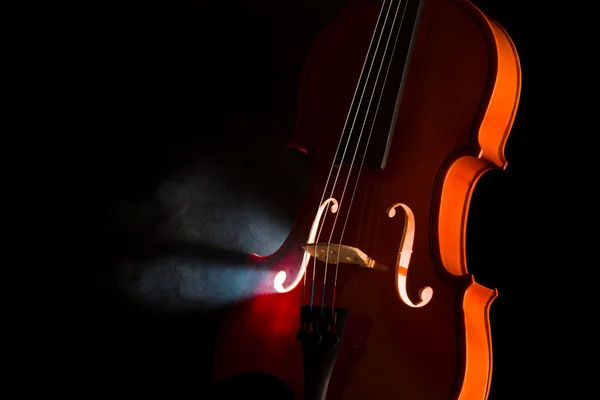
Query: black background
x=187, y=173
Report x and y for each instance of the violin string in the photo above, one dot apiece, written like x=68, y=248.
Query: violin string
x=357, y=146
x=336, y=153
x=351, y=132
x=365, y=151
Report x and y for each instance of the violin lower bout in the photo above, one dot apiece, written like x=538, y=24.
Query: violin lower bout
x=388, y=350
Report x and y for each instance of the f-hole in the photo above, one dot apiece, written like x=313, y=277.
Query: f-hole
x=404, y=254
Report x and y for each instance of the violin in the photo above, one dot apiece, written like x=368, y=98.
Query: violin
x=403, y=105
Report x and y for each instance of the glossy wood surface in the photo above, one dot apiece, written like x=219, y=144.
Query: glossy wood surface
x=460, y=99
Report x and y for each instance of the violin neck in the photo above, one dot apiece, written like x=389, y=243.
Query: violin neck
x=372, y=115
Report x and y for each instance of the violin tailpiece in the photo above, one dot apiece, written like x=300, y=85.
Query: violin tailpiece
x=321, y=332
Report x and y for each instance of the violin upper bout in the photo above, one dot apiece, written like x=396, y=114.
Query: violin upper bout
x=495, y=125
x=504, y=99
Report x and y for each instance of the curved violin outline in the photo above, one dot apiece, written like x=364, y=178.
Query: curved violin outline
x=492, y=134
x=455, y=198
x=281, y=275
x=404, y=254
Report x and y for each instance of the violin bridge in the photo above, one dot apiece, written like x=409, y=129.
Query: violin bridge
x=342, y=254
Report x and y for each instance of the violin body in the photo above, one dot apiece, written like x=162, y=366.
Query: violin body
x=459, y=101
